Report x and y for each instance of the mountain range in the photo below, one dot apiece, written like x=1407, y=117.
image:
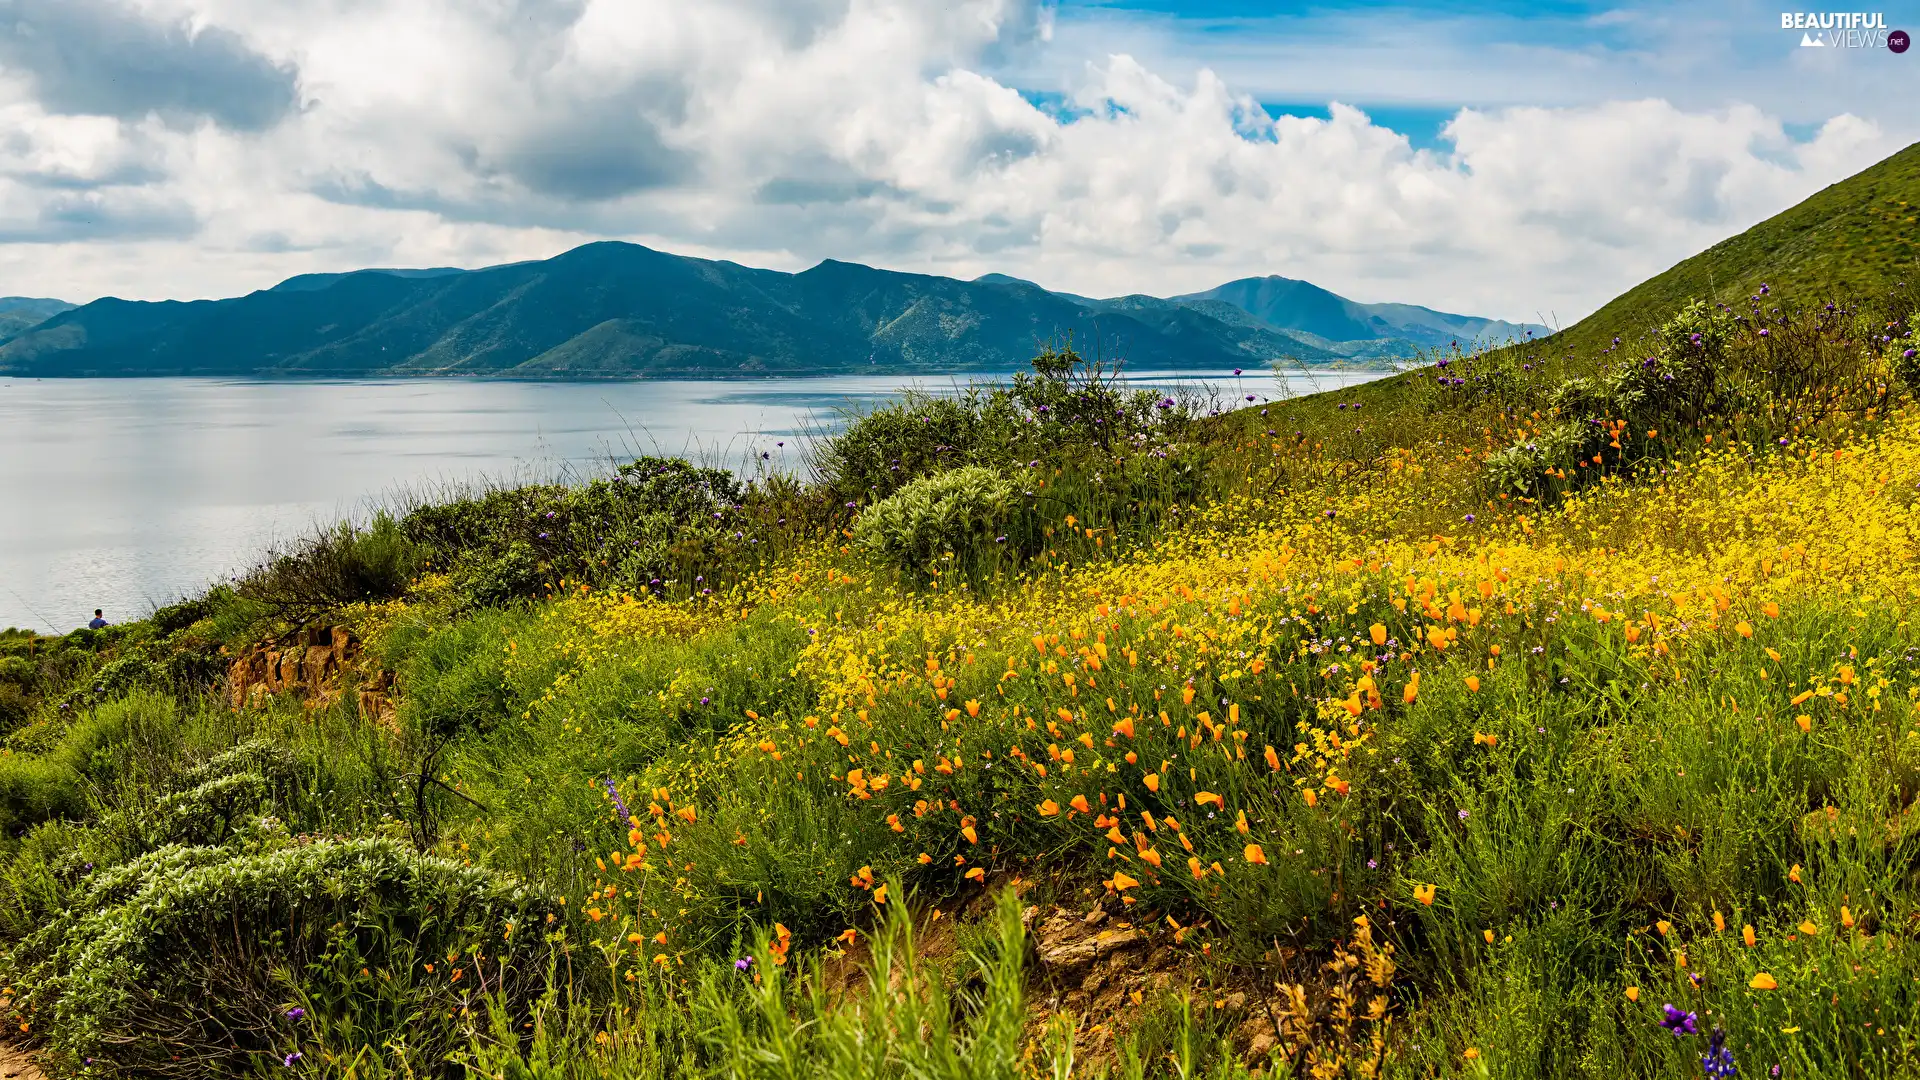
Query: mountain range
x=20, y=313
x=618, y=310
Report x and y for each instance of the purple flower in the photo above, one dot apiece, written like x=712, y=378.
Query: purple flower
x=1908, y=354
x=543, y=536
x=705, y=701
x=1717, y=1063
x=1236, y=371
x=1463, y=815
x=619, y=804
x=296, y=1013
x=745, y=963
x=1679, y=1023
x=288, y=1061
x=1763, y=332
x=1469, y=519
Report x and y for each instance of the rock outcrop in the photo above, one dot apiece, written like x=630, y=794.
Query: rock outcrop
x=311, y=669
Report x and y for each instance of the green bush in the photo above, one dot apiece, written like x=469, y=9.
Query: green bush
x=1067, y=407
x=33, y=790
x=17, y=670
x=916, y=436
x=342, y=565
x=193, y=960
x=657, y=523
x=210, y=801
x=962, y=513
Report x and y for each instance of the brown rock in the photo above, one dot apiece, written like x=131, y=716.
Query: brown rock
x=1067, y=944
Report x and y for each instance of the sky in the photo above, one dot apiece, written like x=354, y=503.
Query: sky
x=1519, y=161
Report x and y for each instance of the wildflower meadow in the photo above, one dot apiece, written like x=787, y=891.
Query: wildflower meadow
x=1525, y=714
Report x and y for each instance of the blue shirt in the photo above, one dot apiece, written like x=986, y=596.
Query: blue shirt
x=97, y=623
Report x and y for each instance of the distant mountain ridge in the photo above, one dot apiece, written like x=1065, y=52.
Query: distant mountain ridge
x=619, y=310
x=20, y=313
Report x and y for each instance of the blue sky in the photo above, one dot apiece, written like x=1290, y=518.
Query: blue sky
x=1518, y=161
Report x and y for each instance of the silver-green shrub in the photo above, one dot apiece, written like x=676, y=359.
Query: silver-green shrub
x=960, y=513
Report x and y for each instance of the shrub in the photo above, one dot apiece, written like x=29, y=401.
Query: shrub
x=15, y=706
x=342, y=565
x=959, y=513
x=1067, y=406
x=33, y=790
x=212, y=799
x=189, y=960
x=174, y=618
x=17, y=670
x=919, y=435
x=656, y=522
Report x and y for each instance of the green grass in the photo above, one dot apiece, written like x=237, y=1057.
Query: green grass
x=1852, y=240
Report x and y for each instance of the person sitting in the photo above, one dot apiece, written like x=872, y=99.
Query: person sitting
x=98, y=622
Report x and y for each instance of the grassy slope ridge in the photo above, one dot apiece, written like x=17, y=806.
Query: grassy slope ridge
x=1854, y=239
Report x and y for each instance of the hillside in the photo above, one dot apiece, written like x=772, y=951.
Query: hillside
x=19, y=313
x=1856, y=238
x=614, y=310
x=1044, y=732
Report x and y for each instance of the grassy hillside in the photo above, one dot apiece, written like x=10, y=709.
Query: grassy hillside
x=1054, y=731
x=1502, y=718
x=1855, y=239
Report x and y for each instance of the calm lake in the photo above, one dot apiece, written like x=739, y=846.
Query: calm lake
x=125, y=494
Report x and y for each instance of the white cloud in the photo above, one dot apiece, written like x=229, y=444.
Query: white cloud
x=432, y=132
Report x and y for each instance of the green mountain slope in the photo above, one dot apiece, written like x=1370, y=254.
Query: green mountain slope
x=616, y=310
x=1302, y=307
x=21, y=313
x=1854, y=239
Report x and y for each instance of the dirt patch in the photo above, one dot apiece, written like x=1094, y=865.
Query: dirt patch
x=15, y=1066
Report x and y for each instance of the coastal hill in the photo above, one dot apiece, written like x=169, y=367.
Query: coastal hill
x=1852, y=240
x=20, y=313
x=618, y=310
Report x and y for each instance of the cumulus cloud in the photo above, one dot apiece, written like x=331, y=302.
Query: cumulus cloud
x=890, y=131
x=106, y=58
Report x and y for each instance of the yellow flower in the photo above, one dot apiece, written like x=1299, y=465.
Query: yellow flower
x=1255, y=855
x=1746, y=935
x=1633, y=993
x=1424, y=894
x=1763, y=981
